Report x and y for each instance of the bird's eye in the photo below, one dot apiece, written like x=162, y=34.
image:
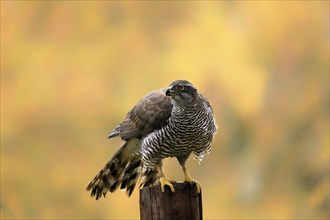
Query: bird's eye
x=181, y=88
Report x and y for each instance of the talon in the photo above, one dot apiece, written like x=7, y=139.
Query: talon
x=164, y=182
x=198, y=185
x=187, y=178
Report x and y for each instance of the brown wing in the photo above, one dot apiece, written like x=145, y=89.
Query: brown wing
x=149, y=114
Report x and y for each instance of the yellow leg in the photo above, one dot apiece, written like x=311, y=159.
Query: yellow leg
x=164, y=181
x=188, y=179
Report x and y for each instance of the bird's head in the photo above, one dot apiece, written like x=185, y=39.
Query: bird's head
x=182, y=92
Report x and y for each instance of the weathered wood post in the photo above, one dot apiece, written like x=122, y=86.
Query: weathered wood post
x=184, y=203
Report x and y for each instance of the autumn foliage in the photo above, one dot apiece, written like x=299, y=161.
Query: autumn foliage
x=70, y=70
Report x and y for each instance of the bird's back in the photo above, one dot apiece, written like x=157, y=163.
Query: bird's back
x=174, y=122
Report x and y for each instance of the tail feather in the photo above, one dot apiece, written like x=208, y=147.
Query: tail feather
x=131, y=171
x=132, y=175
x=149, y=178
x=124, y=162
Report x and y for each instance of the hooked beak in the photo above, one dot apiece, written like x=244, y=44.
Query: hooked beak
x=169, y=91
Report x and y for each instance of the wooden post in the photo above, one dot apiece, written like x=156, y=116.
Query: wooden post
x=184, y=203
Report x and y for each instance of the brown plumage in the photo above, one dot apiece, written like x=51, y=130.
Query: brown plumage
x=173, y=122
x=124, y=169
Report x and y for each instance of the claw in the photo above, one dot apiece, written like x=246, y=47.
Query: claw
x=187, y=178
x=164, y=182
x=192, y=181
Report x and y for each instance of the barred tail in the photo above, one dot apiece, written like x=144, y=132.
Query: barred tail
x=131, y=175
x=123, y=169
x=149, y=177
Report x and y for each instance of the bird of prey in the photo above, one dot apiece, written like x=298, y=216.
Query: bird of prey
x=174, y=122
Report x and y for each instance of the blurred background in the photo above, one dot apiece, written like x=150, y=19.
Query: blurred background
x=71, y=70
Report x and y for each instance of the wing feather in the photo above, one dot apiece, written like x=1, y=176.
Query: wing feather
x=149, y=114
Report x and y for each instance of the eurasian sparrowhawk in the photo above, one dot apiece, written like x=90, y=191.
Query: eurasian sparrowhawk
x=173, y=122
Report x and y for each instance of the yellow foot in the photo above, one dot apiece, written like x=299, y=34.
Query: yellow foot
x=164, y=182
x=198, y=185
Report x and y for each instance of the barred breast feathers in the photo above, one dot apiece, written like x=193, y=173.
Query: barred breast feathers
x=172, y=122
x=189, y=130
